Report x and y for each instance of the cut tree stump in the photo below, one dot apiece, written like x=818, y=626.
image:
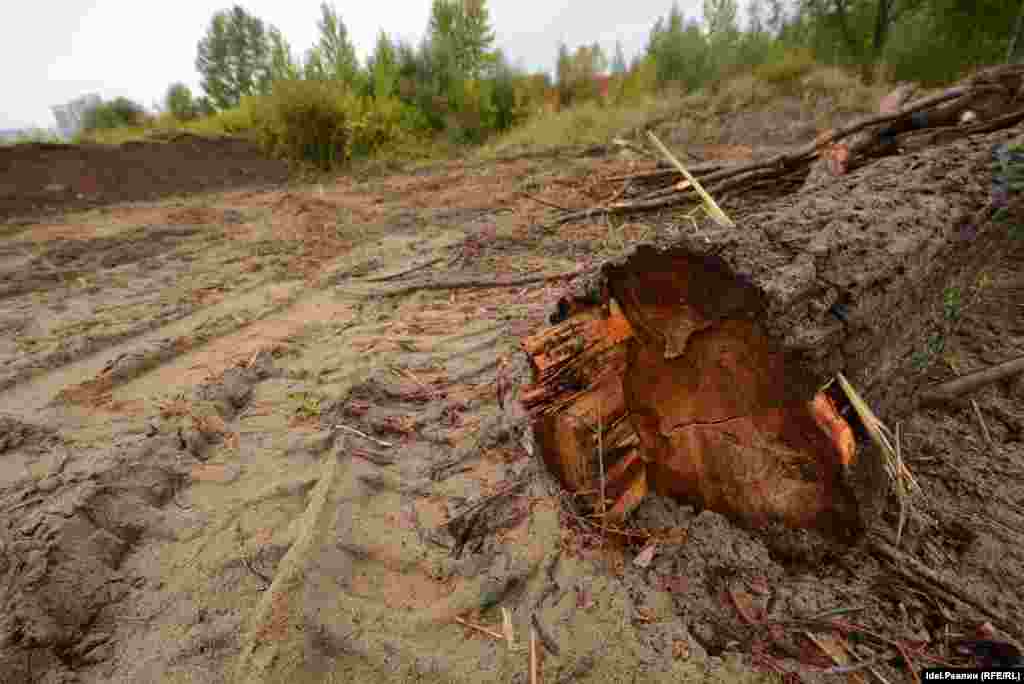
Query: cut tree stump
x=693, y=365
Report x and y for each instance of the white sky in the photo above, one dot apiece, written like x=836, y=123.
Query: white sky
x=53, y=53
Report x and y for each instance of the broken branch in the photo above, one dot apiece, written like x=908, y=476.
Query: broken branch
x=395, y=276
x=779, y=164
x=476, y=284
x=478, y=628
x=538, y=200
x=968, y=383
x=916, y=571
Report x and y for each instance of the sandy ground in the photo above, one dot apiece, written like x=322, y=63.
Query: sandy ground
x=241, y=441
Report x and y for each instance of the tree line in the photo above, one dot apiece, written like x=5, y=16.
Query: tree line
x=455, y=81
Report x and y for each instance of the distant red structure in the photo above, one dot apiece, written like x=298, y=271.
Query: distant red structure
x=603, y=82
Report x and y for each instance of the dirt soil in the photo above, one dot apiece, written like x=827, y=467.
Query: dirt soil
x=254, y=436
x=47, y=178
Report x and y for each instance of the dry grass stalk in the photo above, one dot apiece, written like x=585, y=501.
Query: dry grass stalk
x=710, y=206
x=379, y=442
x=901, y=478
x=534, y=665
x=984, y=428
x=507, y=629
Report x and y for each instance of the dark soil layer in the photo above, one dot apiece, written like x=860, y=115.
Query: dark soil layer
x=44, y=178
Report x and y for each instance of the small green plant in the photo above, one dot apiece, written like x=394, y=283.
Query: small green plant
x=934, y=346
x=952, y=304
x=309, y=404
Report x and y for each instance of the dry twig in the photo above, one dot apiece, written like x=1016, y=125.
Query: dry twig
x=534, y=670
x=346, y=428
x=478, y=628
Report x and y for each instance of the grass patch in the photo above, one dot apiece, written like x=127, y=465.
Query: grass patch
x=787, y=71
x=32, y=137
x=848, y=90
x=590, y=123
x=743, y=92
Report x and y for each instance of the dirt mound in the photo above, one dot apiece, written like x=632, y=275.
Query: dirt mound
x=45, y=178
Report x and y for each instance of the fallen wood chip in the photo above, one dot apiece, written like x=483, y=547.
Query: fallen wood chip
x=644, y=558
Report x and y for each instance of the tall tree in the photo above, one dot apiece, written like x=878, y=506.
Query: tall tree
x=563, y=74
x=679, y=51
x=755, y=17
x=179, y=102
x=460, y=30
x=71, y=116
x=234, y=57
x=776, y=19
x=476, y=37
x=619, y=59
x=336, y=54
x=1013, y=51
x=383, y=67
x=720, y=17
x=283, y=65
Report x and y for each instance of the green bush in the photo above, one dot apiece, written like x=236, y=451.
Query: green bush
x=117, y=113
x=307, y=120
x=378, y=124
x=325, y=124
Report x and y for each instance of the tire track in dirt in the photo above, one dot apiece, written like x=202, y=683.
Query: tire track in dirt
x=33, y=396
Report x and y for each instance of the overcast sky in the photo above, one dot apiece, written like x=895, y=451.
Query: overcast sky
x=55, y=53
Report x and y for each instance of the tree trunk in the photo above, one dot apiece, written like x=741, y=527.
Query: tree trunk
x=882, y=20
x=692, y=366
x=1016, y=38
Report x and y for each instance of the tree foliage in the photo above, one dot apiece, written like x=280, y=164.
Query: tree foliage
x=283, y=64
x=618, y=59
x=383, y=67
x=453, y=81
x=179, y=102
x=334, y=56
x=71, y=116
x=116, y=113
x=234, y=57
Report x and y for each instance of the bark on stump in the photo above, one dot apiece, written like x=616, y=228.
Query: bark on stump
x=693, y=365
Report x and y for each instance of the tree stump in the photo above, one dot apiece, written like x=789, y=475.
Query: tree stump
x=694, y=365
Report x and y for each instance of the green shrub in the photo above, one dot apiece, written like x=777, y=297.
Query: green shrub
x=326, y=124
x=378, y=124
x=307, y=120
x=117, y=113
